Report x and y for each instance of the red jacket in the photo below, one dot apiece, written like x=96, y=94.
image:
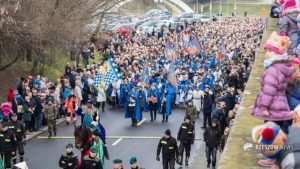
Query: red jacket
x=10, y=95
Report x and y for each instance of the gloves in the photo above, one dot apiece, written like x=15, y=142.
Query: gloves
x=157, y=158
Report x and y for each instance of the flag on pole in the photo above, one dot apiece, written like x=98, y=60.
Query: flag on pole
x=172, y=76
x=170, y=51
x=185, y=39
x=146, y=74
x=194, y=47
x=108, y=74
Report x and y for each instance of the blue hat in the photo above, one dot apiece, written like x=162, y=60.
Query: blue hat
x=133, y=160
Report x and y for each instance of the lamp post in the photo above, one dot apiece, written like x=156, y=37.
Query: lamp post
x=197, y=6
x=210, y=9
x=220, y=7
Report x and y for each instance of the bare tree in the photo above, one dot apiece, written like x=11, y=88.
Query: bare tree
x=32, y=29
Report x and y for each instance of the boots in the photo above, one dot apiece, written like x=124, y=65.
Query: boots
x=187, y=161
x=151, y=114
x=50, y=135
x=155, y=115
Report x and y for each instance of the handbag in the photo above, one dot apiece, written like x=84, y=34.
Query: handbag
x=20, y=109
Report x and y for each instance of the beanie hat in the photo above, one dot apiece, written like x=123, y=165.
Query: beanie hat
x=93, y=149
x=187, y=117
x=117, y=161
x=70, y=145
x=289, y=4
x=168, y=132
x=268, y=135
x=277, y=44
x=133, y=160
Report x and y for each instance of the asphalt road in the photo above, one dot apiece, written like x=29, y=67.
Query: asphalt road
x=45, y=153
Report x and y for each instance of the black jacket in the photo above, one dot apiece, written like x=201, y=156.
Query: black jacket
x=169, y=147
x=18, y=129
x=91, y=163
x=71, y=161
x=7, y=140
x=186, y=133
x=212, y=136
x=229, y=100
x=207, y=103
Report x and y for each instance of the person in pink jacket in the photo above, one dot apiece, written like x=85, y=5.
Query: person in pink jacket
x=271, y=102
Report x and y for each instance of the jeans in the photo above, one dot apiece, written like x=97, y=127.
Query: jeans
x=85, y=62
x=211, y=155
x=38, y=121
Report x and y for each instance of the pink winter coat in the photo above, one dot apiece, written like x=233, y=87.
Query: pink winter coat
x=271, y=96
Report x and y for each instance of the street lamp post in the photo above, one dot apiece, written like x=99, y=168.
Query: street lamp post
x=197, y=6
x=220, y=7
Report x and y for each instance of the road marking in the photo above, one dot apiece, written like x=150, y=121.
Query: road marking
x=141, y=122
x=108, y=137
x=116, y=142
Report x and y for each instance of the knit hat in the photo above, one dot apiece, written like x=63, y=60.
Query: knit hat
x=289, y=4
x=187, y=117
x=93, y=149
x=269, y=134
x=70, y=145
x=133, y=160
x=277, y=44
x=117, y=161
x=168, y=132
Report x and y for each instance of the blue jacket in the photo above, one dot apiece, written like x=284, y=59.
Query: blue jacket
x=293, y=97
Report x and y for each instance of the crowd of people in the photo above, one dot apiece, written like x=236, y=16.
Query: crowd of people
x=208, y=82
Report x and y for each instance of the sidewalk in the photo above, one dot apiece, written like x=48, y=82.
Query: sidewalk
x=45, y=129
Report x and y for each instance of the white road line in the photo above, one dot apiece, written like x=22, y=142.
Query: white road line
x=141, y=122
x=116, y=142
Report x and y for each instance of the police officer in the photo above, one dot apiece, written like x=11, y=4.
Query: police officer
x=169, y=148
x=186, y=137
x=7, y=144
x=18, y=128
x=91, y=161
x=68, y=160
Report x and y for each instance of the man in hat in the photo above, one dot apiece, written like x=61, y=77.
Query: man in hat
x=17, y=104
x=68, y=160
x=50, y=113
x=169, y=148
x=91, y=161
x=133, y=163
x=186, y=137
x=7, y=144
x=18, y=128
x=152, y=102
x=212, y=136
x=117, y=164
x=191, y=111
x=88, y=112
x=207, y=106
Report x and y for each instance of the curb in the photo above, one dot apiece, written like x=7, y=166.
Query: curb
x=45, y=129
